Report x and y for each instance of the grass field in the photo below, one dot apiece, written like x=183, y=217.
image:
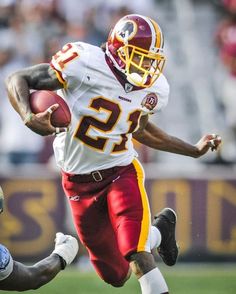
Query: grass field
x=182, y=279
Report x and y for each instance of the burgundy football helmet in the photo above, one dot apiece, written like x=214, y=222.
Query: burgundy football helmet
x=135, y=47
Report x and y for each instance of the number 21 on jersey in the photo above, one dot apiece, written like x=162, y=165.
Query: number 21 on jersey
x=63, y=57
x=105, y=126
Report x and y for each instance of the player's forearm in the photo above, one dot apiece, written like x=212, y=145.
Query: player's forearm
x=25, y=278
x=155, y=138
x=45, y=270
x=18, y=94
x=37, y=77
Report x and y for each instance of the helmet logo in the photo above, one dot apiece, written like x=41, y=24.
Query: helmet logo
x=126, y=30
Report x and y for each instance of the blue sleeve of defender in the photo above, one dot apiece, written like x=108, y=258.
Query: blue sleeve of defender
x=5, y=257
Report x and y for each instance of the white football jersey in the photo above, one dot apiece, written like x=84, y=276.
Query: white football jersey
x=104, y=112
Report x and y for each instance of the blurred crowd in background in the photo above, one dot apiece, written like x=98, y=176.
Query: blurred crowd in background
x=226, y=43
x=200, y=38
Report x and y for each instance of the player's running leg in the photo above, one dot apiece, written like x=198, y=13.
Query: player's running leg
x=149, y=276
x=165, y=223
x=162, y=238
x=130, y=216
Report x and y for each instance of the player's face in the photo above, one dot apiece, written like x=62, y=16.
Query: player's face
x=142, y=67
x=144, y=63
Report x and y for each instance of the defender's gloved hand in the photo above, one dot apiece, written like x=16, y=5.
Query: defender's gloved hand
x=66, y=247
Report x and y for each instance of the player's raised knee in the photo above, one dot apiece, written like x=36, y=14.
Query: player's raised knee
x=118, y=284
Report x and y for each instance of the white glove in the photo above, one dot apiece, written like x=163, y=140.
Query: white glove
x=66, y=246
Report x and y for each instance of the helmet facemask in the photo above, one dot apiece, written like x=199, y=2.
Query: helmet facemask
x=142, y=67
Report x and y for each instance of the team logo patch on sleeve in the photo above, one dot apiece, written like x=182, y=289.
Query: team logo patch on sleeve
x=150, y=101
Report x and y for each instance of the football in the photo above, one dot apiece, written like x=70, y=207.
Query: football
x=41, y=100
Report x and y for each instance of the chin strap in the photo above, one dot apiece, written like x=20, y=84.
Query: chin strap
x=136, y=80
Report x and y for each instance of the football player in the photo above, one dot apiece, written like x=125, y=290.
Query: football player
x=111, y=91
x=15, y=276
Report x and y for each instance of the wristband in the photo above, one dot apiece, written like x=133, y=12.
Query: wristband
x=28, y=118
x=62, y=262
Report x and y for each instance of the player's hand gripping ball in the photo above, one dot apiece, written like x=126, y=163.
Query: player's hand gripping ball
x=41, y=100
